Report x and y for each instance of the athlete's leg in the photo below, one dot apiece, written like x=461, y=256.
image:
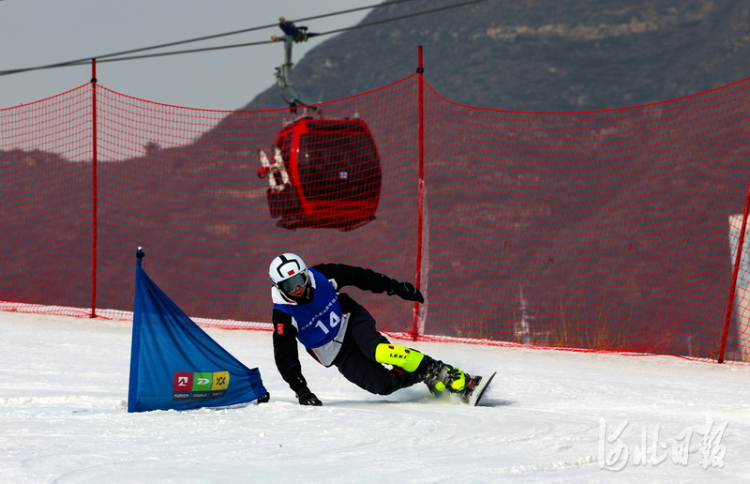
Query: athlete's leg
x=421, y=368
x=363, y=334
x=362, y=337
x=363, y=372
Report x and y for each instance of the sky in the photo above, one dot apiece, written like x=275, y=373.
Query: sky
x=40, y=32
x=549, y=417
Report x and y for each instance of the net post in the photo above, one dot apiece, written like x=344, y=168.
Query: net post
x=420, y=219
x=94, y=189
x=735, y=273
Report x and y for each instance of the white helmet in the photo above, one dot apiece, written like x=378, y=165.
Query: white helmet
x=288, y=271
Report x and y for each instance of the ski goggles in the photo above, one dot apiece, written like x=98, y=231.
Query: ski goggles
x=288, y=285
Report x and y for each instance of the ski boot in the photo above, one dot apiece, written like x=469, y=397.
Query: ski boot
x=440, y=377
x=467, y=387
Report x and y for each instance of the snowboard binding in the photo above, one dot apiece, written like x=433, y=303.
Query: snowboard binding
x=440, y=377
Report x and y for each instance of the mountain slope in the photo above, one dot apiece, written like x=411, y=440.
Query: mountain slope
x=534, y=55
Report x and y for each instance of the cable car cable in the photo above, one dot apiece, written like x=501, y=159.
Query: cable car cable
x=196, y=39
x=262, y=42
x=106, y=58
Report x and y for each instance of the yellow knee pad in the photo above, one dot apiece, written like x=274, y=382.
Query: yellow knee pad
x=400, y=356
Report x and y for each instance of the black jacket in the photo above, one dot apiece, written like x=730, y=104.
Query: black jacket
x=285, y=346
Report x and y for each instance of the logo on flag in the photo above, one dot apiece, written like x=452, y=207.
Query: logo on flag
x=221, y=383
x=202, y=386
x=199, y=385
x=182, y=385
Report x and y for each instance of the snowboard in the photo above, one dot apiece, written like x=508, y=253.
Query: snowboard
x=475, y=389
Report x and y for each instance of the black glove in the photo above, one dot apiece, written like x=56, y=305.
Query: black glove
x=303, y=393
x=405, y=290
x=306, y=397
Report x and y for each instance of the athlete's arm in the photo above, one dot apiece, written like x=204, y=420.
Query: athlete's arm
x=368, y=280
x=345, y=275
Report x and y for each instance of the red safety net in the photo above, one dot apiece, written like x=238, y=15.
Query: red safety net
x=606, y=230
x=46, y=201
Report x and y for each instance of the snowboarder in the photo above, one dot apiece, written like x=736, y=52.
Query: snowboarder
x=336, y=330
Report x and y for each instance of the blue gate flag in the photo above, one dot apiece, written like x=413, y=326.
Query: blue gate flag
x=174, y=364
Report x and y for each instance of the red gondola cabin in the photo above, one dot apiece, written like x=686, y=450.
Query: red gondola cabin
x=323, y=174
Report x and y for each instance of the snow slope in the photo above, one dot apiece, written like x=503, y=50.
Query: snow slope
x=550, y=416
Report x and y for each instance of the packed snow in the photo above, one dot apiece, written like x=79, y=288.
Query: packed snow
x=549, y=416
